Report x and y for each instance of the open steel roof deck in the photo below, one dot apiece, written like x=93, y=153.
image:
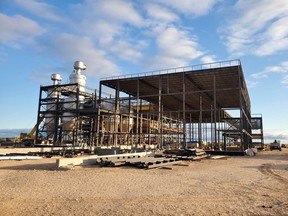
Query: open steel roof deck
x=220, y=84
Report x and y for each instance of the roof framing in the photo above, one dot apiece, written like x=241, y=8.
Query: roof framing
x=220, y=85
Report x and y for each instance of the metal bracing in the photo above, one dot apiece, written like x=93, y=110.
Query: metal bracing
x=197, y=99
x=172, y=108
x=68, y=115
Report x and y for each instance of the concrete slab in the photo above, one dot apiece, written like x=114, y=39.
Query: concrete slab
x=20, y=158
x=5, y=151
x=91, y=160
x=79, y=161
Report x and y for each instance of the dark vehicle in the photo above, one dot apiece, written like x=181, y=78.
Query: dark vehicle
x=275, y=145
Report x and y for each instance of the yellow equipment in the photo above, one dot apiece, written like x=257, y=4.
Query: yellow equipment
x=28, y=139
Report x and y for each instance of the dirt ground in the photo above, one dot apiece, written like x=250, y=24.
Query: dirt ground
x=235, y=186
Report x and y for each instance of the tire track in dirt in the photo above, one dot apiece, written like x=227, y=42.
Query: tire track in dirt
x=266, y=169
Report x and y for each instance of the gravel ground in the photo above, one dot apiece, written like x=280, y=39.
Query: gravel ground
x=235, y=186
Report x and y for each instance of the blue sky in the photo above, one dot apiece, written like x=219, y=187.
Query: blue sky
x=113, y=37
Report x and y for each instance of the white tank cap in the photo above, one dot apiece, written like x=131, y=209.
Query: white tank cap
x=56, y=77
x=79, y=65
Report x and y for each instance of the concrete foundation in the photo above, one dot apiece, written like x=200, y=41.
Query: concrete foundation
x=91, y=160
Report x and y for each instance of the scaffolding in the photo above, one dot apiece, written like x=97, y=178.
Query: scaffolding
x=174, y=108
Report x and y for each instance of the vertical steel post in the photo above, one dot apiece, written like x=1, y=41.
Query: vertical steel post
x=184, y=111
x=200, y=122
x=116, y=113
x=141, y=124
x=98, y=133
x=78, y=123
x=129, y=137
x=95, y=122
x=215, y=110
x=159, y=112
x=242, y=147
x=38, y=116
x=211, y=126
x=190, y=123
x=137, y=112
x=57, y=117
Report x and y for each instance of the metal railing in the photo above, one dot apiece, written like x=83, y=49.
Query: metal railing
x=221, y=64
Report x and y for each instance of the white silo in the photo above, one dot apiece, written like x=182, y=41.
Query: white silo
x=52, y=96
x=76, y=77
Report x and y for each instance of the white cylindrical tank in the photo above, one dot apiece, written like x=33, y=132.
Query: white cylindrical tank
x=56, y=78
x=77, y=77
x=68, y=121
x=52, y=96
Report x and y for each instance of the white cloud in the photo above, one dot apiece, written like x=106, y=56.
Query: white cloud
x=285, y=80
x=251, y=84
x=42, y=74
x=276, y=38
x=3, y=56
x=127, y=51
x=276, y=134
x=259, y=27
x=208, y=59
x=119, y=11
x=111, y=25
x=118, y=26
x=18, y=30
x=282, y=68
x=178, y=43
x=163, y=62
x=160, y=13
x=71, y=48
x=174, y=47
x=116, y=30
x=113, y=11
x=190, y=7
x=41, y=9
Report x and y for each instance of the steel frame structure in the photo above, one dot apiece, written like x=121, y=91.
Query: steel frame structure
x=178, y=107
x=51, y=112
x=198, y=98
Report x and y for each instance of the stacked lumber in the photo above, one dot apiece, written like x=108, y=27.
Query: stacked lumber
x=200, y=154
x=187, y=154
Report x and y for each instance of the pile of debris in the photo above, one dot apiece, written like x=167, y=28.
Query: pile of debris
x=142, y=159
x=163, y=159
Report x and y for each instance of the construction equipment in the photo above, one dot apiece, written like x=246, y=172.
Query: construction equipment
x=28, y=138
x=275, y=145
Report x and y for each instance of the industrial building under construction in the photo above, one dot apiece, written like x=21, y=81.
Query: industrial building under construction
x=204, y=105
